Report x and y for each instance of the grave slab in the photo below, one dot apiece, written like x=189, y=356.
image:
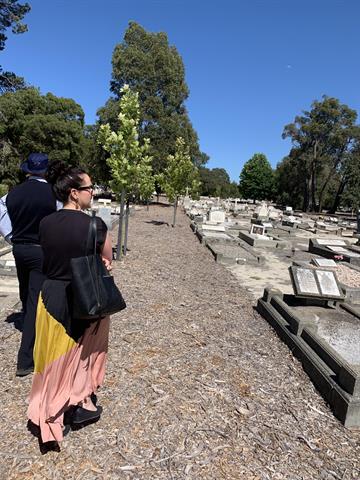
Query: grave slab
x=327, y=343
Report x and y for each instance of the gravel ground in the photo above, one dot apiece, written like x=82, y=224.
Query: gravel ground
x=198, y=385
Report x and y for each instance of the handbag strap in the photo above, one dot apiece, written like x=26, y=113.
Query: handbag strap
x=91, y=244
x=92, y=236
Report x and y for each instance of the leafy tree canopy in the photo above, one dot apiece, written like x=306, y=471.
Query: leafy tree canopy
x=31, y=122
x=129, y=162
x=216, y=183
x=257, y=178
x=11, y=15
x=180, y=175
x=323, y=139
x=150, y=66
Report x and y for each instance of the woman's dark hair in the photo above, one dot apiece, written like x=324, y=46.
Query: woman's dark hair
x=63, y=178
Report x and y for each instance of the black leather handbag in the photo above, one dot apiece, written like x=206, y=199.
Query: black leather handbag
x=94, y=293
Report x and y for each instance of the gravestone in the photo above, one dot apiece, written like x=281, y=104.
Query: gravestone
x=262, y=211
x=105, y=214
x=186, y=202
x=217, y=216
x=257, y=230
x=311, y=282
x=324, y=262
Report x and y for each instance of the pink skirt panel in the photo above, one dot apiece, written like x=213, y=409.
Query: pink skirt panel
x=68, y=380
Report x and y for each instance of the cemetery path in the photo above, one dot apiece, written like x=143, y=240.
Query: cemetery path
x=198, y=385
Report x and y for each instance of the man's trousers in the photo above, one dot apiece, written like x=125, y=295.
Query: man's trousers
x=28, y=259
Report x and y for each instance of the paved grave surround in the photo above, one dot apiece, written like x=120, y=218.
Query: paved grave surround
x=210, y=236
x=330, y=248
x=327, y=342
x=262, y=240
x=232, y=254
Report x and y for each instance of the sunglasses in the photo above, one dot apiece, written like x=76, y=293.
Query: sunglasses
x=88, y=187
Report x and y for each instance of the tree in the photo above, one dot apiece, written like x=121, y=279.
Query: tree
x=129, y=160
x=322, y=138
x=257, y=178
x=180, y=176
x=11, y=15
x=348, y=192
x=150, y=66
x=31, y=122
x=216, y=183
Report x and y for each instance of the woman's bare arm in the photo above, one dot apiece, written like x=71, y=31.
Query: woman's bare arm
x=106, y=252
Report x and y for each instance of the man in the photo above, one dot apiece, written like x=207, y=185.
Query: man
x=27, y=204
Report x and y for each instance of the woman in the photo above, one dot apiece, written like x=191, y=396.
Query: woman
x=69, y=354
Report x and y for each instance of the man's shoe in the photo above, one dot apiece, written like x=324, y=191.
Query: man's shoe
x=22, y=372
x=81, y=415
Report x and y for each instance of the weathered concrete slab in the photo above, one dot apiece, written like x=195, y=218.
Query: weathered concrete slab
x=265, y=242
x=307, y=329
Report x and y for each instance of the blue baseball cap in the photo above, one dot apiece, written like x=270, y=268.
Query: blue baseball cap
x=36, y=163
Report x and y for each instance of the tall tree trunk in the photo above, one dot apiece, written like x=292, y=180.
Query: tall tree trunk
x=127, y=214
x=306, y=195
x=120, y=229
x=339, y=192
x=175, y=209
x=312, y=205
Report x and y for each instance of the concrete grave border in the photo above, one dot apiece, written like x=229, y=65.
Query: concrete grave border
x=336, y=380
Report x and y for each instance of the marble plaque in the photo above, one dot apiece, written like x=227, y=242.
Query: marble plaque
x=324, y=241
x=328, y=284
x=337, y=249
x=306, y=281
x=351, y=254
x=324, y=262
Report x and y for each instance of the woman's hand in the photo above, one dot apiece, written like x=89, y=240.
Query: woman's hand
x=107, y=263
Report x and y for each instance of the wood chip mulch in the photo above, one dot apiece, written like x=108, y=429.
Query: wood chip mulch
x=198, y=385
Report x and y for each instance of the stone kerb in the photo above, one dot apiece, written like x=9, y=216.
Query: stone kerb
x=336, y=380
x=265, y=242
x=333, y=248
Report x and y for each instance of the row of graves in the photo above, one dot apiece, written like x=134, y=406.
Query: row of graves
x=320, y=319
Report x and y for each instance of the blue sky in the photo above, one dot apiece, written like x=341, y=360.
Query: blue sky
x=251, y=65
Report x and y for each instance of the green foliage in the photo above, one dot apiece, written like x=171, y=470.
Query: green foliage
x=216, y=183
x=180, y=175
x=3, y=189
x=257, y=178
x=32, y=122
x=150, y=66
x=129, y=161
x=322, y=142
x=11, y=15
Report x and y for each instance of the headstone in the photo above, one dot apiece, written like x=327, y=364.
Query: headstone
x=329, y=241
x=311, y=282
x=324, y=262
x=104, y=201
x=186, y=202
x=262, y=211
x=105, y=214
x=257, y=230
x=217, y=216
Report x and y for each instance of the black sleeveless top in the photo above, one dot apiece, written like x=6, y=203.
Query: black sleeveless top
x=63, y=235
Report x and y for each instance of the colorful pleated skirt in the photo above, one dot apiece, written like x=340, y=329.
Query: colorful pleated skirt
x=69, y=357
